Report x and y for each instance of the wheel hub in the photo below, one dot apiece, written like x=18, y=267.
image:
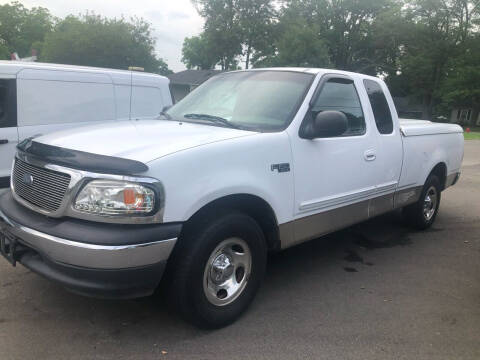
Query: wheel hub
x=222, y=268
x=227, y=271
x=430, y=203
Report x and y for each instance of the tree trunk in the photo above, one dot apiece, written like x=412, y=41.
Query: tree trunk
x=427, y=107
x=249, y=49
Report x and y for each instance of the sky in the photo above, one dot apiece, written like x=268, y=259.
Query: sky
x=173, y=20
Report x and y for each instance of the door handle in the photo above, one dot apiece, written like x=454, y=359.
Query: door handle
x=369, y=155
x=3, y=141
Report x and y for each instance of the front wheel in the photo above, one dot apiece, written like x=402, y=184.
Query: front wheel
x=422, y=214
x=218, y=269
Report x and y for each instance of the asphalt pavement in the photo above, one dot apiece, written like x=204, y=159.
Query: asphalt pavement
x=378, y=290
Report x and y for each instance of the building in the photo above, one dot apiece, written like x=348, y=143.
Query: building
x=14, y=57
x=183, y=82
x=408, y=108
x=465, y=116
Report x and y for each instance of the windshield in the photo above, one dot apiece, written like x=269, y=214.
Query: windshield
x=252, y=100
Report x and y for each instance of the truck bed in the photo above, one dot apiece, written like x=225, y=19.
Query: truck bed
x=412, y=127
x=427, y=144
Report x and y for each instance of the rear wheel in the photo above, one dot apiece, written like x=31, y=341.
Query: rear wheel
x=217, y=269
x=422, y=214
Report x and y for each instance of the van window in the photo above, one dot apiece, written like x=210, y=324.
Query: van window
x=381, y=110
x=8, y=104
x=340, y=95
x=60, y=102
x=146, y=101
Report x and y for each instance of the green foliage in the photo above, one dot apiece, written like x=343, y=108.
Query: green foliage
x=461, y=87
x=298, y=46
x=345, y=27
x=4, y=53
x=436, y=46
x=22, y=29
x=96, y=41
x=426, y=49
x=89, y=40
x=256, y=19
x=198, y=53
x=233, y=28
x=222, y=29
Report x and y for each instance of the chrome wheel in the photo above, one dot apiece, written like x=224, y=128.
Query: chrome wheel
x=227, y=271
x=430, y=203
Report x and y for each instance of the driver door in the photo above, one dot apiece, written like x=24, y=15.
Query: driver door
x=334, y=177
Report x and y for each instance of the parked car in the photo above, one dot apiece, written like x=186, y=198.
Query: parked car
x=250, y=162
x=40, y=98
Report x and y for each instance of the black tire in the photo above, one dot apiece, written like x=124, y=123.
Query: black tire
x=415, y=214
x=188, y=268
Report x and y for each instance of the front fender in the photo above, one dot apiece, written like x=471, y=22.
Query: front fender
x=195, y=177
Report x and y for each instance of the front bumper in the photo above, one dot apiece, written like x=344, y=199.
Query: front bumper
x=103, y=260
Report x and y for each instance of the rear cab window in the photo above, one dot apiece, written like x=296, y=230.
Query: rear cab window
x=340, y=94
x=381, y=110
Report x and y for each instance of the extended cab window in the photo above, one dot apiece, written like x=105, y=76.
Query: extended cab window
x=8, y=106
x=340, y=94
x=381, y=110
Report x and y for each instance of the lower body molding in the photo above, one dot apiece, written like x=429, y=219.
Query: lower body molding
x=316, y=225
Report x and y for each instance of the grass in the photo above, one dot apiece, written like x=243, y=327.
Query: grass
x=474, y=133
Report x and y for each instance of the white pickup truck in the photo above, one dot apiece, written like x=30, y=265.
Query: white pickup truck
x=250, y=162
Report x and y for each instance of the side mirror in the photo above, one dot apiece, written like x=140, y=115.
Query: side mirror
x=328, y=124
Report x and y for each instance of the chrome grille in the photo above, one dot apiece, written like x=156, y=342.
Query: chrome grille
x=41, y=187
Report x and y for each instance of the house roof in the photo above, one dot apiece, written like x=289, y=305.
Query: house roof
x=192, y=77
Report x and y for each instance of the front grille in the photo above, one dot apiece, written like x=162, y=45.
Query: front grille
x=41, y=187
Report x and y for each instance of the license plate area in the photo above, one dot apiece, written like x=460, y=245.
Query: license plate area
x=10, y=247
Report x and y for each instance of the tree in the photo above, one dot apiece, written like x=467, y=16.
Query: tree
x=234, y=28
x=461, y=87
x=22, y=29
x=4, y=53
x=222, y=29
x=93, y=40
x=256, y=18
x=345, y=27
x=438, y=32
x=198, y=53
x=297, y=45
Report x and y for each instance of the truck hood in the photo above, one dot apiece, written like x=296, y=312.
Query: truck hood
x=141, y=140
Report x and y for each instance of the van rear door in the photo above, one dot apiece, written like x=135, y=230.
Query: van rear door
x=8, y=128
x=149, y=95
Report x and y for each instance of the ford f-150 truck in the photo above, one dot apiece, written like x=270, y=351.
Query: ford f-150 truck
x=250, y=162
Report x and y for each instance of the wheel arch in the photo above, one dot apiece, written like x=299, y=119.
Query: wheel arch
x=253, y=205
x=440, y=170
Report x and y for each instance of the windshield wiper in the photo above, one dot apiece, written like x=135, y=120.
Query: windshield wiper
x=211, y=118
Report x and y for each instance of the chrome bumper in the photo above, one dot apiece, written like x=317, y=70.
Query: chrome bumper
x=89, y=255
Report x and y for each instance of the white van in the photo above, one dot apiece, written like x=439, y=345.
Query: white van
x=40, y=98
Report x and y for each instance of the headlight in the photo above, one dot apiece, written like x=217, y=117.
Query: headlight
x=115, y=198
